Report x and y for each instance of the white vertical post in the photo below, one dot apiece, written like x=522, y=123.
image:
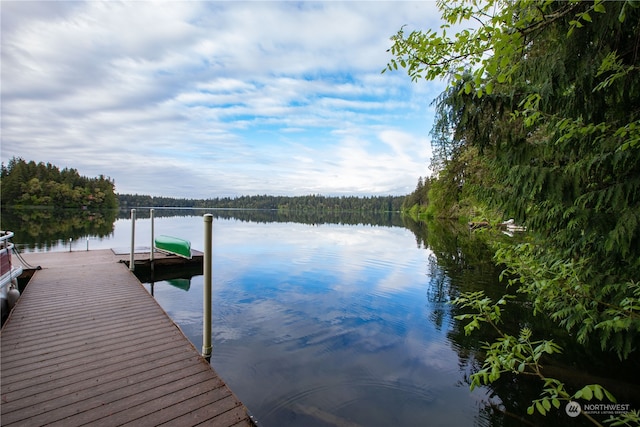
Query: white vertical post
x=132, y=265
x=206, y=293
x=152, y=237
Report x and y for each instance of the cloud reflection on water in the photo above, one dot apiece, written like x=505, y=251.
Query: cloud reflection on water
x=330, y=324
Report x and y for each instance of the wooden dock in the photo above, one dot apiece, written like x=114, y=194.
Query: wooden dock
x=87, y=345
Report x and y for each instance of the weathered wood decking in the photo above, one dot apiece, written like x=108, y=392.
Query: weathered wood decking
x=87, y=345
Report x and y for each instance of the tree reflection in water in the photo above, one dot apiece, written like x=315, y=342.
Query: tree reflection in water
x=462, y=262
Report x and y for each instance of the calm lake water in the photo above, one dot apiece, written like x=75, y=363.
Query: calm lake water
x=320, y=324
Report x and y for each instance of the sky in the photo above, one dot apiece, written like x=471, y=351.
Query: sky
x=217, y=99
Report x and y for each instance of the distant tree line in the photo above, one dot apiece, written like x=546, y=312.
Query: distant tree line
x=39, y=184
x=283, y=203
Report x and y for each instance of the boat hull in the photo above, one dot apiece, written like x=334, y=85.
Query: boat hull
x=173, y=245
x=8, y=272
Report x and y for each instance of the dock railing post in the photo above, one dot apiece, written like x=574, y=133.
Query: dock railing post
x=132, y=264
x=152, y=237
x=206, y=303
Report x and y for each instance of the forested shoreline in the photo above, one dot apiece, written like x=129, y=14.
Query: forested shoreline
x=46, y=185
x=540, y=122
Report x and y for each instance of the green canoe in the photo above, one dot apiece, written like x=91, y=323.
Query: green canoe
x=173, y=245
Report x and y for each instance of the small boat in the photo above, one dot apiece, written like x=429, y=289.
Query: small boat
x=511, y=226
x=8, y=274
x=173, y=246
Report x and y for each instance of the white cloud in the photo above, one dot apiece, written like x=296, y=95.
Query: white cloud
x=246, y=97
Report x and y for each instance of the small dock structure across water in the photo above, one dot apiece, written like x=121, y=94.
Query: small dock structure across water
x=86, y=344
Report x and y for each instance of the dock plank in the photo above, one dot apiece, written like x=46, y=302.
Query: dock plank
x=69, y=337
x=194, y=416
x=53, y=373
x=77, y=383
x=87, y=345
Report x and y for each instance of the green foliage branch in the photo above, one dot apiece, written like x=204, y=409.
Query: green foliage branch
x=522, y=355
x=556, y=288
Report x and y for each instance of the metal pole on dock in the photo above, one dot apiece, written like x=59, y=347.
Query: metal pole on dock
x=206, y=303
x=132, y=264
x=152, y=237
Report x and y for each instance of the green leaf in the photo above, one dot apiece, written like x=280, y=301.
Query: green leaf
x=609, y=396
x=597, y=392
x=623, y=13
x=530, y=410
x=546, y=404
x=587, y=393
x=489, y=88
x=556, y=403
x=540, y=408
x=575, y=24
